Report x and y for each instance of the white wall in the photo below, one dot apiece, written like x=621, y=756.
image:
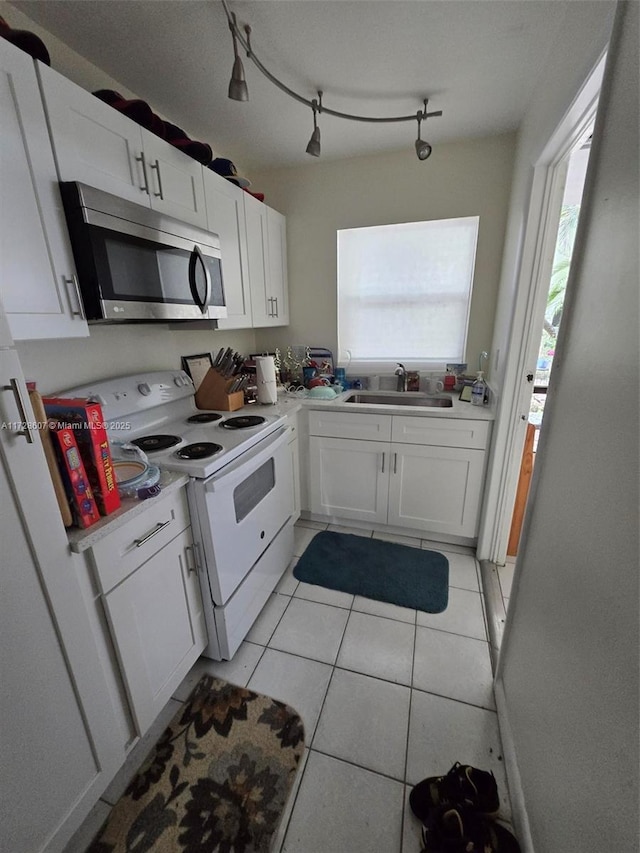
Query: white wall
x=569, y=664
x=465, y=178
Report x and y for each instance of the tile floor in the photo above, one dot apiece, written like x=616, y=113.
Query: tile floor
x=388, y=696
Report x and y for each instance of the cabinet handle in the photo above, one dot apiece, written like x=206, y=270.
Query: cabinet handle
x=383, y=455
x=140, y=159
x=156, y=166
x=395, y=463
x=159, y=526
x=74, y=281
x=15, y=386
x=194, y=567
x=270, y=307
x=275, y=299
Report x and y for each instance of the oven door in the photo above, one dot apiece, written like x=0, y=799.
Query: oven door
x=241, y=509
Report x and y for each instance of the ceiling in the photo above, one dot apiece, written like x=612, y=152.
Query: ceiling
x=476, y=60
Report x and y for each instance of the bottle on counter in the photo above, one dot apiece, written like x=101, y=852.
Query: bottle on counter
x=478, y=390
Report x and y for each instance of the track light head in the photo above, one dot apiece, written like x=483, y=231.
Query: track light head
x=237, y=85
x=423, y=149
x=313, y=147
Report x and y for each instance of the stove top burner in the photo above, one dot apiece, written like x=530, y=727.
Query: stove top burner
x=199, y=450
x=243, y=422
x=149, y=443
x=204, y=418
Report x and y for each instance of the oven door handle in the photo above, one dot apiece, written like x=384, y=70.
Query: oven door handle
x=253, y=458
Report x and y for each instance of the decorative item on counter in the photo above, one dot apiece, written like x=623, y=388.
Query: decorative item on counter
x=25, y=40
x=74, y=475
x=458, y=371
x=197, y=366
x=266, y=380
x=341, y=376
x=86, y=421
x=413, y=380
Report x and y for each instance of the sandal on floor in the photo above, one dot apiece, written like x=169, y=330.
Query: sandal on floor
x=463, y=830
x=462, y=785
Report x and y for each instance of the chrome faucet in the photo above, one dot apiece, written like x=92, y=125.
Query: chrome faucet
x=401, y=373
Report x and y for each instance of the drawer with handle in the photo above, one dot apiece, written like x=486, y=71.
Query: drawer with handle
x=121, y=552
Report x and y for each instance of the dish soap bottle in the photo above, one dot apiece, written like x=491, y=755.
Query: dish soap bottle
x=478, y=390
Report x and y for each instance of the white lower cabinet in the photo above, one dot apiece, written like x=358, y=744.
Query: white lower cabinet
x=153, y=604
x=413, y=484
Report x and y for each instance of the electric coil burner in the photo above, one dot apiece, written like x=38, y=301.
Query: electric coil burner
x=150, y=443
x=243, y=422
x=204, y=418
x=200, y=450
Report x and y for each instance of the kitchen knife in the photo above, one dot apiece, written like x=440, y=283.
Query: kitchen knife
x=224, y=363
x=219, y=357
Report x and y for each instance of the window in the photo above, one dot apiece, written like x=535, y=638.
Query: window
x=404, y=292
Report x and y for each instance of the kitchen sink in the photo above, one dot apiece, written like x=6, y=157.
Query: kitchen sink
x=399, y=398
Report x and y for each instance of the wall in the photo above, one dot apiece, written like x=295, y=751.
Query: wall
x=466, y=178
x=569, y=664
x=110, y=350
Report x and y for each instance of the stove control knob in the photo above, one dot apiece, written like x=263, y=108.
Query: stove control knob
x=178, y=380
x=144, y=389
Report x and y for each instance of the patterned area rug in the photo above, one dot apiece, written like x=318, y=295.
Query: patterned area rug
x=217, y=780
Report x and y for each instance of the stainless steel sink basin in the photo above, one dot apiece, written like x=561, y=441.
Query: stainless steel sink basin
x=399, y=398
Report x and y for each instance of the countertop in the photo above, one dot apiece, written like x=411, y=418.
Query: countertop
x=81, y=540
x=460, y=410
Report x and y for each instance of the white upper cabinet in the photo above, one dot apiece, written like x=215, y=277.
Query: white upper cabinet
x=37, y=273
x=225, y=217
x=267, y=253
x=96, y=145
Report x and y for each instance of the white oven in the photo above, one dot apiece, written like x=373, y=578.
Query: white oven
x=242, y=516
x=240, y=489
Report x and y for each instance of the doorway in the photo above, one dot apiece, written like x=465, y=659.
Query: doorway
x=574, y=167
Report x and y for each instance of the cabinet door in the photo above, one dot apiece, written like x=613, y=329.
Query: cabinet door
x=61, y=743
x=157, y=624
x=225, y=217
x=435, y=488
x=350, y=479
x=93, y=143
x=176, y=185
x=277, y=275
x=262, y=310
x=37, y=273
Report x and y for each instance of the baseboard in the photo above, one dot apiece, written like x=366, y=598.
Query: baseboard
x=496, y=614
x=520, y=817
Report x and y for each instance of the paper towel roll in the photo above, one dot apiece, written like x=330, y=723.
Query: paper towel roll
x=266, y=380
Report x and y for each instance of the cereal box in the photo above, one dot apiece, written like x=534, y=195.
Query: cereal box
x=86, y=421
x=75, y=478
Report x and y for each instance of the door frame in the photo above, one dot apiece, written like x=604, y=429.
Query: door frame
x=540, y=234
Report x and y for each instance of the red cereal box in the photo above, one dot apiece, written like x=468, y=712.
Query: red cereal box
x=75, y=477
x=86, y=421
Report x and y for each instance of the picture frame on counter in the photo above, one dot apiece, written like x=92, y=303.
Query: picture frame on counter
x=197, y=366
x=465, y=394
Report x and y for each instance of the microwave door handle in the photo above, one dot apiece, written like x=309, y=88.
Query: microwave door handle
x=195, y=259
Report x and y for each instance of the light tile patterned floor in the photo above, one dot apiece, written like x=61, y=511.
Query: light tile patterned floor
x=388, y=696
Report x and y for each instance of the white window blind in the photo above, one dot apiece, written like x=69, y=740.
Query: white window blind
x=404, y=292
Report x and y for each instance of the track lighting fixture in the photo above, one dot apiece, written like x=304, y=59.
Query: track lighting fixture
x=423, y=149
x=238, y=92
x=237, y=85
x=313, y=147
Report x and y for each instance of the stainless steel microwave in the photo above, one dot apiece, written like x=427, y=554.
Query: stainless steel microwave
x=137, y=265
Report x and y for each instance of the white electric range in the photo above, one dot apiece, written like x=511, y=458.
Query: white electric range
x=240, y=489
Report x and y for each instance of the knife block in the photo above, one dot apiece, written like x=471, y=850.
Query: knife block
x=212, y=393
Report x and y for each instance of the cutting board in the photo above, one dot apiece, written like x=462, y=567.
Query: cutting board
x=50, y=456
